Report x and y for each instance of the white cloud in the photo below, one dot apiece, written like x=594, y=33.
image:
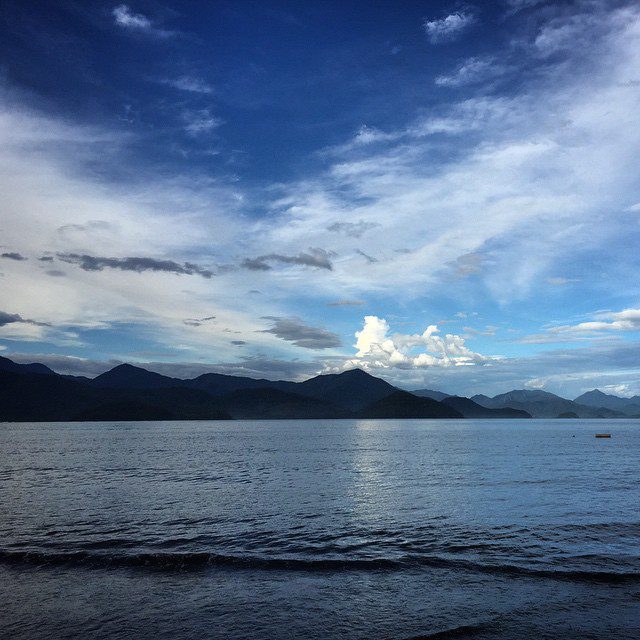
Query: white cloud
x=200, y=122
x=472, y=71
x=126, y=19
x=378, y=349
x=189, y=84
x=523, y=182
x=626, y=320
x=448, y=28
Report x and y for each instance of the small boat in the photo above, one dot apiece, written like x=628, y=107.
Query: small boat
x=603, y=435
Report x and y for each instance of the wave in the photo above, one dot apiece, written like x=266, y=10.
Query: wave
x=462, y=631
x=196, y=561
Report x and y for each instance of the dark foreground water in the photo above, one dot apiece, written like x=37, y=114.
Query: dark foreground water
x=320, y=529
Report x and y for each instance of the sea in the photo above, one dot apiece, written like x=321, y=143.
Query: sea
x=376, y=529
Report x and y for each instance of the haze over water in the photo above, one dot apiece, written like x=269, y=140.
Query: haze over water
x=309, y=529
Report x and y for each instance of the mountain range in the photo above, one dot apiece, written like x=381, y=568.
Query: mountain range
x=34, y=392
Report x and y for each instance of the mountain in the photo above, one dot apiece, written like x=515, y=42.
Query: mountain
x=264, y=404
x=33, y=392
x=402, y=404
x=596, y=398
x=218, y=384
x=353, y=390
x=470, y=409
x=429, y=393
x=37, y=397
x=126, y=376
x=542, y=404
x=34, y=367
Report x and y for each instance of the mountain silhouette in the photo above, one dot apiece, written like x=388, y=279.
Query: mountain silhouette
x=542, y=404
x=34, y=392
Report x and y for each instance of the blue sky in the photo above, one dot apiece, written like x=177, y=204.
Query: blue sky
x=444, y=194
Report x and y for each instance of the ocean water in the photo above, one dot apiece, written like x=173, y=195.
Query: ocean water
x=320, y=529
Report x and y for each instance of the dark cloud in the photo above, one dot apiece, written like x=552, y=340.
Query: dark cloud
x=346, y=303
x=12, y=318
x=366, y=256
x=352, y=229
x=238, y=342
x=46, y=259
x=302, y=335
x=318, y=258
x=196, y=322
x=12, y=255
x=137, y=264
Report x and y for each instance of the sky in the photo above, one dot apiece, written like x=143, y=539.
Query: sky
x=446, y=195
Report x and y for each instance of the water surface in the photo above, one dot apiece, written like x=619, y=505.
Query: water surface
x=320, y=529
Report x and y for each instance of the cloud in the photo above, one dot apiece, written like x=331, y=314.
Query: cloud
x=559, y=281
x=318, y=258
x=626, y=320
x=126, y=19
x=467, y=264
x=366, y=256
x=602, y=323
x=352, y=229
x=472, y=71
x=137, y=264
x=12, y=255
x=377, y=349
x=346, y=303
x=300, y=334
x=196, y=322
x=189, y=84
x=200, y=122
x=448, y=28
x=12, y=318
x=238, y=343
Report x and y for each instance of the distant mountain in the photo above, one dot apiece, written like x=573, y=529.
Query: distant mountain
x=353, y=390
x=126, y=376
x=596, y=398
x=470, y=409
x=542, y=404
x=402, y=404
x=429, y=393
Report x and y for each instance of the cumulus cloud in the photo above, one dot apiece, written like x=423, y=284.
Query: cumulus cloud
x=137, y=264
x=448, y=28
x=378, y=349
x=352, y=229
x=301, y=334
x=314, y=257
